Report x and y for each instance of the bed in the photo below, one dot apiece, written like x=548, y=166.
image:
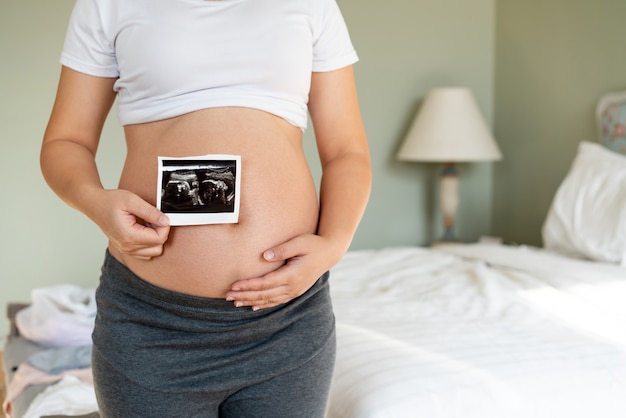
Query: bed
x=454, y=330
x=479, y=331
x=492, y=331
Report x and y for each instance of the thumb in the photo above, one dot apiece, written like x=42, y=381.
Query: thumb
x=151, y=214
x=283, y=251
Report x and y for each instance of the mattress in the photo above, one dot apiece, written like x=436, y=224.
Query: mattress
x=478, y=331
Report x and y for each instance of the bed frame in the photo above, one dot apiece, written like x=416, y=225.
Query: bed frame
x=12, y=310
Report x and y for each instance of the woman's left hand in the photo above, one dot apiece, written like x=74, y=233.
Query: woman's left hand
x=306, y=258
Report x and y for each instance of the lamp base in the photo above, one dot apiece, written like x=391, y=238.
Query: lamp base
x=449, y=199
x=448, y=236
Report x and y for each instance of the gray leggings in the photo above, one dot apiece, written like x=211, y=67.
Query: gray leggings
x=159, y=353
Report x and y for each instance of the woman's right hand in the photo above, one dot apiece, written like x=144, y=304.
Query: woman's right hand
x=133, y=226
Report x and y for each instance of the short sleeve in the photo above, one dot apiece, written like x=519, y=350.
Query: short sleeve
x=332, y=47
x=87, y=48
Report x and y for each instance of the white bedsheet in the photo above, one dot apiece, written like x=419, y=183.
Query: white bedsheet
x=478, y=331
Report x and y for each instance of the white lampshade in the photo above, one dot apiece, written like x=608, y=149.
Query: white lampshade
x=449, y=127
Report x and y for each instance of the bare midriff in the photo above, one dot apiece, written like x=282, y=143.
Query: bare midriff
x=278, y=198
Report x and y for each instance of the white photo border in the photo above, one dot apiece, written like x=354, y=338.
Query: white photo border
x=195, y=209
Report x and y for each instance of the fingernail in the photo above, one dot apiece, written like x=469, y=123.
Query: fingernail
x=230, y=299
x=164, y=220
x=269, y=255
x=239, y=304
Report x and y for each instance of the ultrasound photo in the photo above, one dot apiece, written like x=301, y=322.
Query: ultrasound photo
x=199, y=190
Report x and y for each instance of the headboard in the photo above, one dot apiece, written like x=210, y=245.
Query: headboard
x=586, y=218
x=611, y=121
x=12, y=310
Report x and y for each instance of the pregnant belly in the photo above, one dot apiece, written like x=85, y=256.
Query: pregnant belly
x=278, y=199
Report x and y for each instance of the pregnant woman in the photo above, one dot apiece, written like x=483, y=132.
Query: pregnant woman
x=213, y=320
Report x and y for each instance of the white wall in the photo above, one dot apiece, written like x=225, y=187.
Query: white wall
x=406, y=47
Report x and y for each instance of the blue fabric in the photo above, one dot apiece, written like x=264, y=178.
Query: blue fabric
x=57, y=360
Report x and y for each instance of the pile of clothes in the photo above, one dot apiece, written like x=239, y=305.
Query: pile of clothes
x=48, y=363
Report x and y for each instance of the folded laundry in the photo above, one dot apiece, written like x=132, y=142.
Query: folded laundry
x=68, y=397
x=57, y=360
x=59, y=316
x=27, y=375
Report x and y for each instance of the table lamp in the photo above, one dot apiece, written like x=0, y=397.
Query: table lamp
x=449, y=128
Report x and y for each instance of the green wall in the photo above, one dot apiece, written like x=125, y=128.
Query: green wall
x=554, y=59
x=406, y=47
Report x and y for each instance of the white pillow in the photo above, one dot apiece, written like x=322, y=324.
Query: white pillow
x=587, y=217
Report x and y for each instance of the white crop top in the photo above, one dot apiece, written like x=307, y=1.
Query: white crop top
x=172, y=57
